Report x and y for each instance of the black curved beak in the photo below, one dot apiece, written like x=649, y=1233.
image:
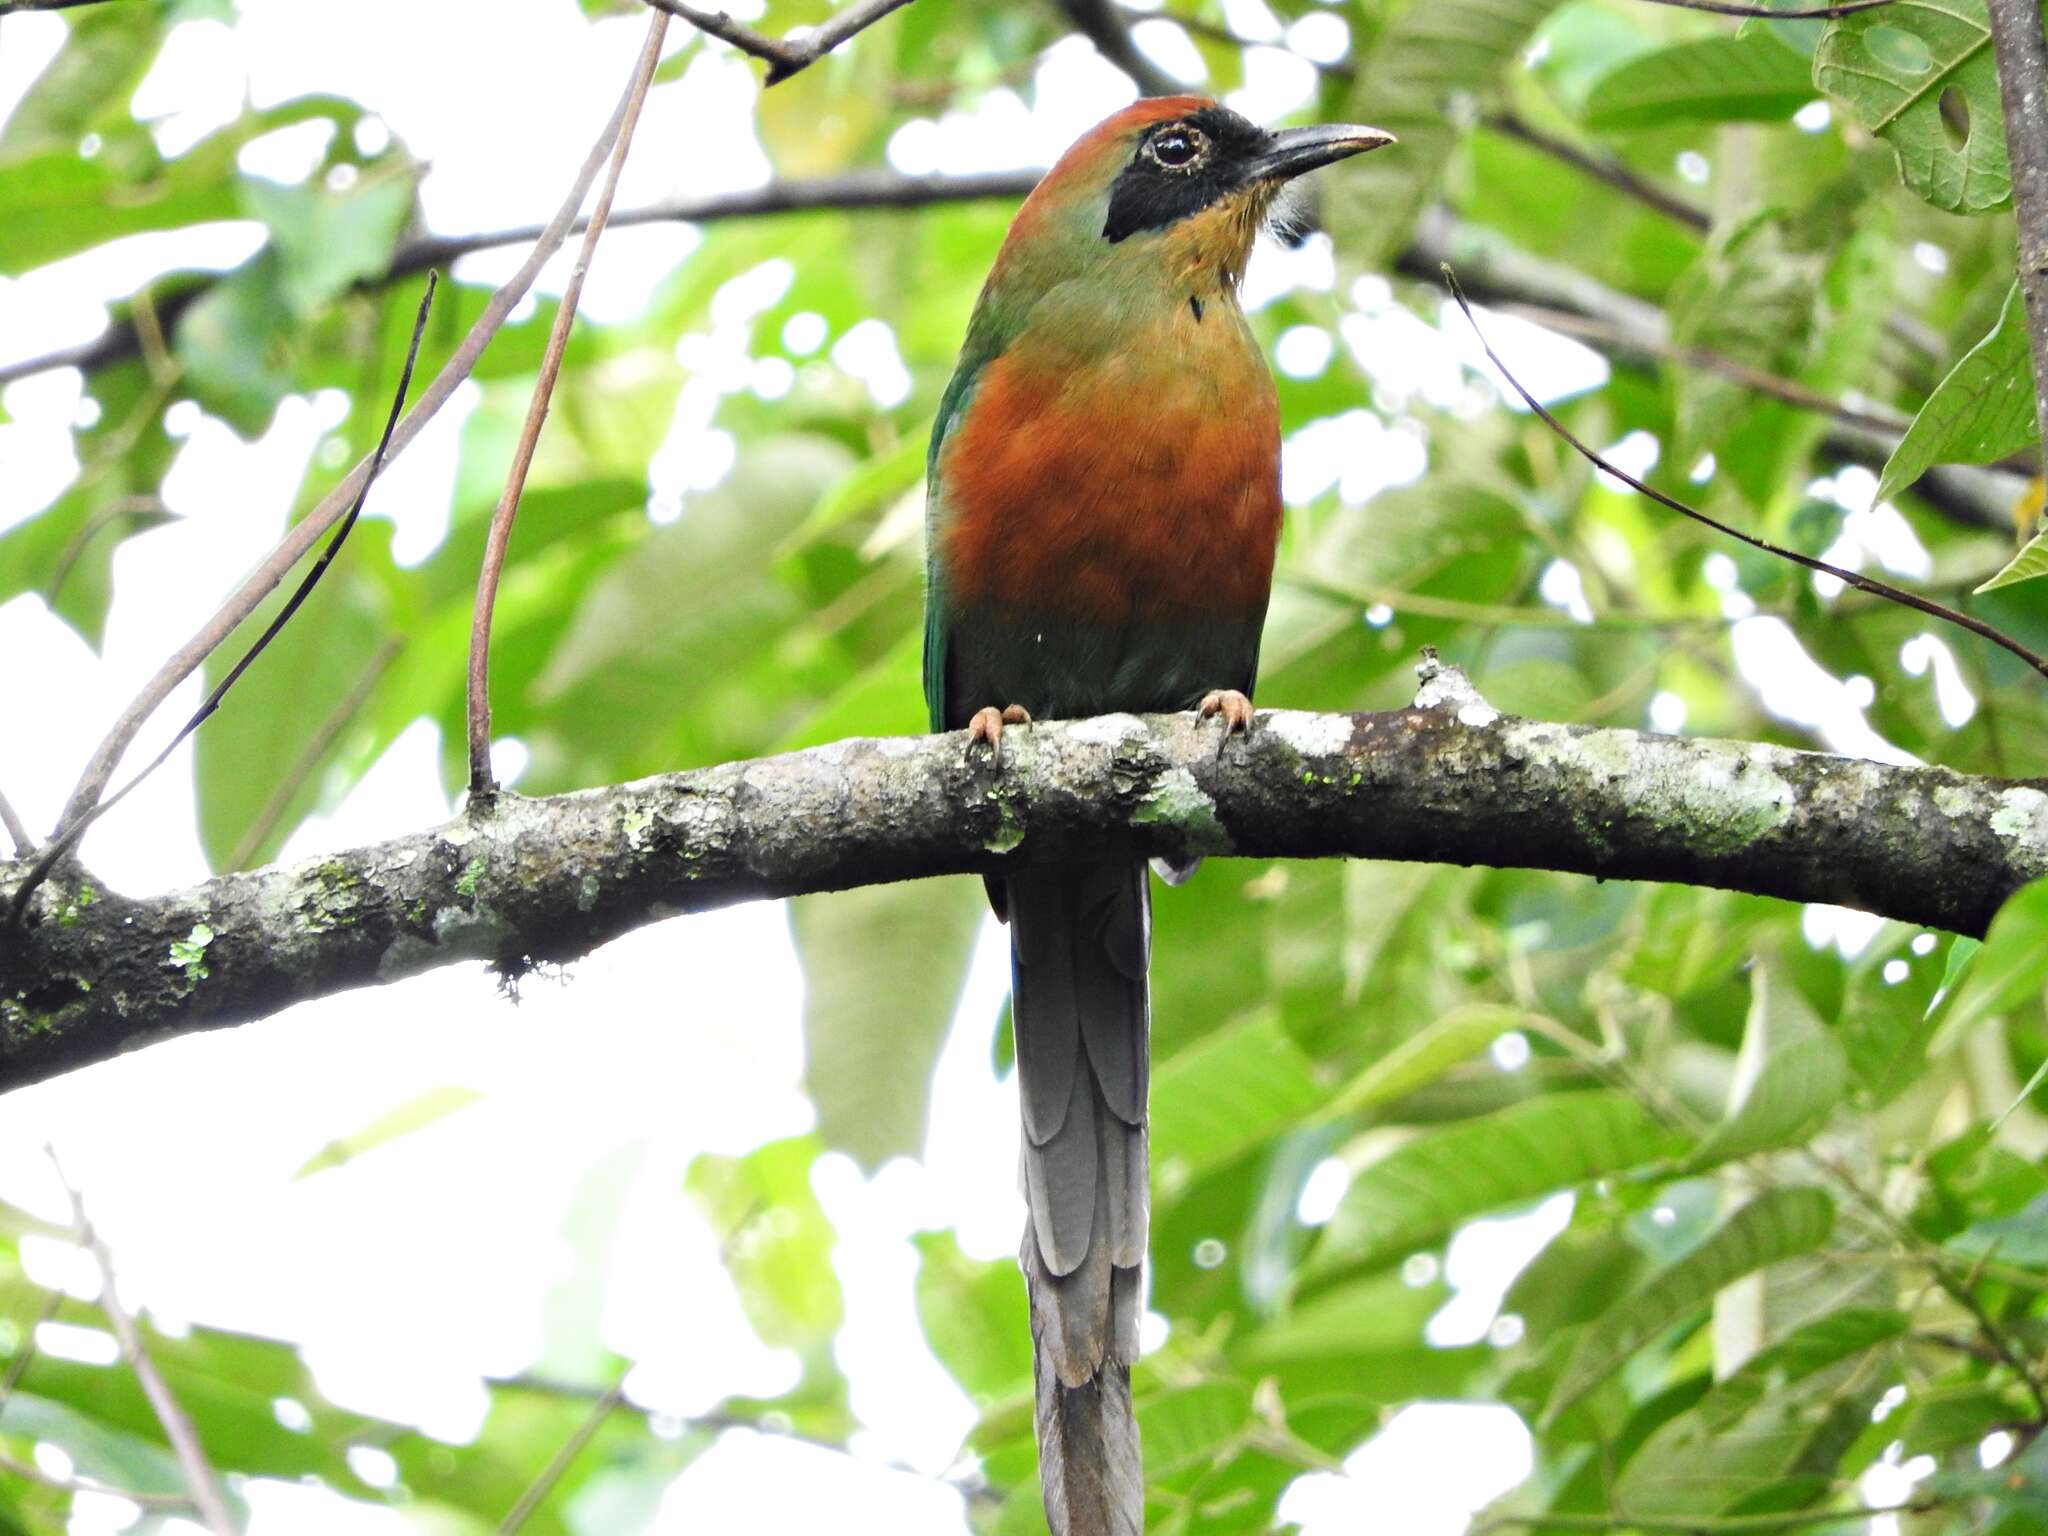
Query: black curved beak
x=1291, y=151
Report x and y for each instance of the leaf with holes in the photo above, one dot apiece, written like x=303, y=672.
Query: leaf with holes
x=1982, y=411
x=1777, y=1225
x=1919, y=74
x=1752, y=78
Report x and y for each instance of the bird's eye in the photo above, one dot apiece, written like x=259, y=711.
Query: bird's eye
x=1177, y=148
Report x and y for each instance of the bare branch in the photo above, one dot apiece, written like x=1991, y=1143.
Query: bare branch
x=305, y=533
x=207, y=1497
x=2022, y=55
x=855, y=190
x=1102, y=23
x=1616, y=173
x=788, y=55
x=481, y=785
x=1847, y=577
x=546, y=880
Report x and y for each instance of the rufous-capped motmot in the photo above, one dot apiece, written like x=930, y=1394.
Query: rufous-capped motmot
x=1104, y=507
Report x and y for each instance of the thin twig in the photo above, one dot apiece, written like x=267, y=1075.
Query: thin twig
x=1771, y=13
x=30, y=1472
x=2022, y=58
x=481, y=784
x=785, y=55
x=68, y=838
x=551, y=1474
x=309, y=758
x=1851, y=578
x=24, y=845
x=303, y=535
x=207, y=1498
x=1607, y=168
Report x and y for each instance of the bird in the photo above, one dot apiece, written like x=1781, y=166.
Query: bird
x=1102, y=514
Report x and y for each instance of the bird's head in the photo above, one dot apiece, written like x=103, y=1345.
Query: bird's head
x=1179, y=185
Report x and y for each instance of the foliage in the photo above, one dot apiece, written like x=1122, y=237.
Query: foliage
x=1805, y=1179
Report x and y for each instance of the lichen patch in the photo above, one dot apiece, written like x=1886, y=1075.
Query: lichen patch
x=1718, y=797
x=1176, y=800
x=1106, y=730
x=1312, y=735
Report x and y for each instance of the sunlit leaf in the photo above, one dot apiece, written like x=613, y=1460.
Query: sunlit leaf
x=1981, y=412
x=1711, y=79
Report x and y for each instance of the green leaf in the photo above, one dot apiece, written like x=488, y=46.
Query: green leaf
x=268, y=757
x=1789, y=1075
x=1711, y=79
x=415, y=1114
x=1421, y=1192
x=774, y=1239
x=1776, y=1225
x=1424, y=1057
x=2008, y=972
x=1225, y=1092
x=872, y=1025
x=2020, y=1239
x=1419, y=83
x=975, y=1318
x=1757, y=1427
x=234, y=344
x=326, y=241
x=2030, y=562
x=1982, y=411
x=1895, y=65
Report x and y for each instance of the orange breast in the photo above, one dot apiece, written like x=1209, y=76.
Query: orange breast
x=1139, y=487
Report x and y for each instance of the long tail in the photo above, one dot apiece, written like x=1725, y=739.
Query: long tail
x=1079, y=942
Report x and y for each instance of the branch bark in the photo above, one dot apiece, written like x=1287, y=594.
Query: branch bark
x=785, y=55
x=546, y=880
x=2022, y=54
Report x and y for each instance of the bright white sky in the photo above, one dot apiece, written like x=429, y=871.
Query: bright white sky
x=417, y=1270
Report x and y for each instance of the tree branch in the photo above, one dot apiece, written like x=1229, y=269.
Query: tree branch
x=1448, y=781
x=855, y=190
x=2022, y=55
x=786, y=55
x=1102, y=23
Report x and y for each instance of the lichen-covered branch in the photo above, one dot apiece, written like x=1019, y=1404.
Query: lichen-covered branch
x=1449, y=780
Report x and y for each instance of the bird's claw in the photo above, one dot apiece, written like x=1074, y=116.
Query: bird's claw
x=1232, y=707
x=987, y=725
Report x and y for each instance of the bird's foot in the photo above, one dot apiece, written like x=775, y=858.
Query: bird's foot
x=987, y=725
x=1232, y=707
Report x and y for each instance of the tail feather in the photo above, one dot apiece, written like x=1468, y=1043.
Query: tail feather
x=1079, y=942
